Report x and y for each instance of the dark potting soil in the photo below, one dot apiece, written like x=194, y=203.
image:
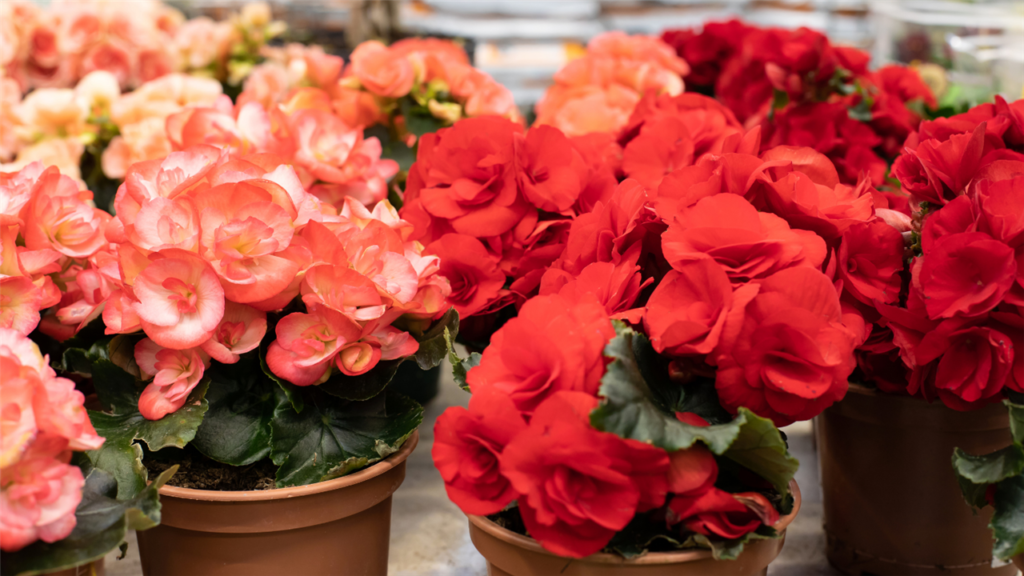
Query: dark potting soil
x=201, y=473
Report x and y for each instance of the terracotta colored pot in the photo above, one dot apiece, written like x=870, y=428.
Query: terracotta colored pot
x=94, y=568
x=511, y=554
x=1018, y=561
x=891, y=500
x=340, y=526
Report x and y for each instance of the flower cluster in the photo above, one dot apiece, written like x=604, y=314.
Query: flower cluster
x=53, y=125
x=55, y=254
x=598, y=91
x=208, y=242
x=804, y=91
x=136, y=41
x=43, y=421
x=428, y=78
x=527, y=436
x=496, y=204
x=958, y=332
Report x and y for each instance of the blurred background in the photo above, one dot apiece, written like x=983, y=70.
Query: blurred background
x=971, y=50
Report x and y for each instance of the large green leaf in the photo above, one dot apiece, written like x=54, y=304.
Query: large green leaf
x=1008, y=521
x=637, y=537
x=990, y=468
x=363, y=386
x=632, y=409
x=101, y=524
x=1016, y=421
x=122, y=425
x=731, y=549
x=644, y=409
x=760, y=447
x=236, y=428
x=333, y=437
x=290, y=390
x=433, y=345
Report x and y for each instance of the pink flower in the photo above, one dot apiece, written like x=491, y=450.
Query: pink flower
x=240, y=331
x=39, y=496
x=307, y=343
x=180, y=300
x=175, y=373
x=19, y=304
x=244, y=233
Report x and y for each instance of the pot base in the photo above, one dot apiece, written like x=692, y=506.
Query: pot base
x=853, y=562
x=511, y=554
x=340, y=526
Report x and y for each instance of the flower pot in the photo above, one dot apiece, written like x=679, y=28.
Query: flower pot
x=94, y=568
x=891, y=500
x=1018, y=561
x=340, y=526
x=511, y=554
x=416, y=383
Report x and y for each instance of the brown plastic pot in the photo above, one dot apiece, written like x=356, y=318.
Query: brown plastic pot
x=1018, y=561
x=94, y=568
x=511, y=554
x=340, y=526
x=891, y=501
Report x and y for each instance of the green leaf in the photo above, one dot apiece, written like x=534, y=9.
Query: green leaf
x=363, y=386
x=1008, y=520
x=392, y=149
x=731, y=549
x=101, y=525
x=122, y=425
x=433, y=345
x=759, y=447
x=418, y=119
x=236, y=428
x=333, y=437
x=990, y=468
x=631, y=409
x=860, y=112
x=973, y=493
x=1016, y=421
x=637, y=537
x=460, y=367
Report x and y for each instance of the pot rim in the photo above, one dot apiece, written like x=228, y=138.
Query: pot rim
x=363, y=475
x=532, y=545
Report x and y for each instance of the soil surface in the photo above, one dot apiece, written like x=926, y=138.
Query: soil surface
x=201, y=473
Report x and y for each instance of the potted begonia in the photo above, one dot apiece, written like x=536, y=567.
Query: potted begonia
x=249, y=332
x=997, y=480
x=951, y=336
x=943, y=353
x=656, y=318
x=58, y=511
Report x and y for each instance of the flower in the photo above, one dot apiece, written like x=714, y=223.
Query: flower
x=554, y=344
x=785, y=353
x=475, y=278
x=175, y=374
x=578, y=486
x=964, y=274
x=180, y=299
x=467, y=449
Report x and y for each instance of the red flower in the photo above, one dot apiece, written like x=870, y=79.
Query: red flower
x=785, y=355
x=466, y=176
x=952, y=164
x=964, y=274
x=719, y=513
x=749, y=245
x=472, y=272
x=552, y=172
x=974, y=362
x=467, y=448
x=686, y=313
x=711, y=175
x=555, y=344
x=617, y=286
x=660, y=148
x=580, y=486
x=705, y=52
x=870, y=262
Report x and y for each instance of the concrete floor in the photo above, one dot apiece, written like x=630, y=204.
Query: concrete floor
x=429, y=534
